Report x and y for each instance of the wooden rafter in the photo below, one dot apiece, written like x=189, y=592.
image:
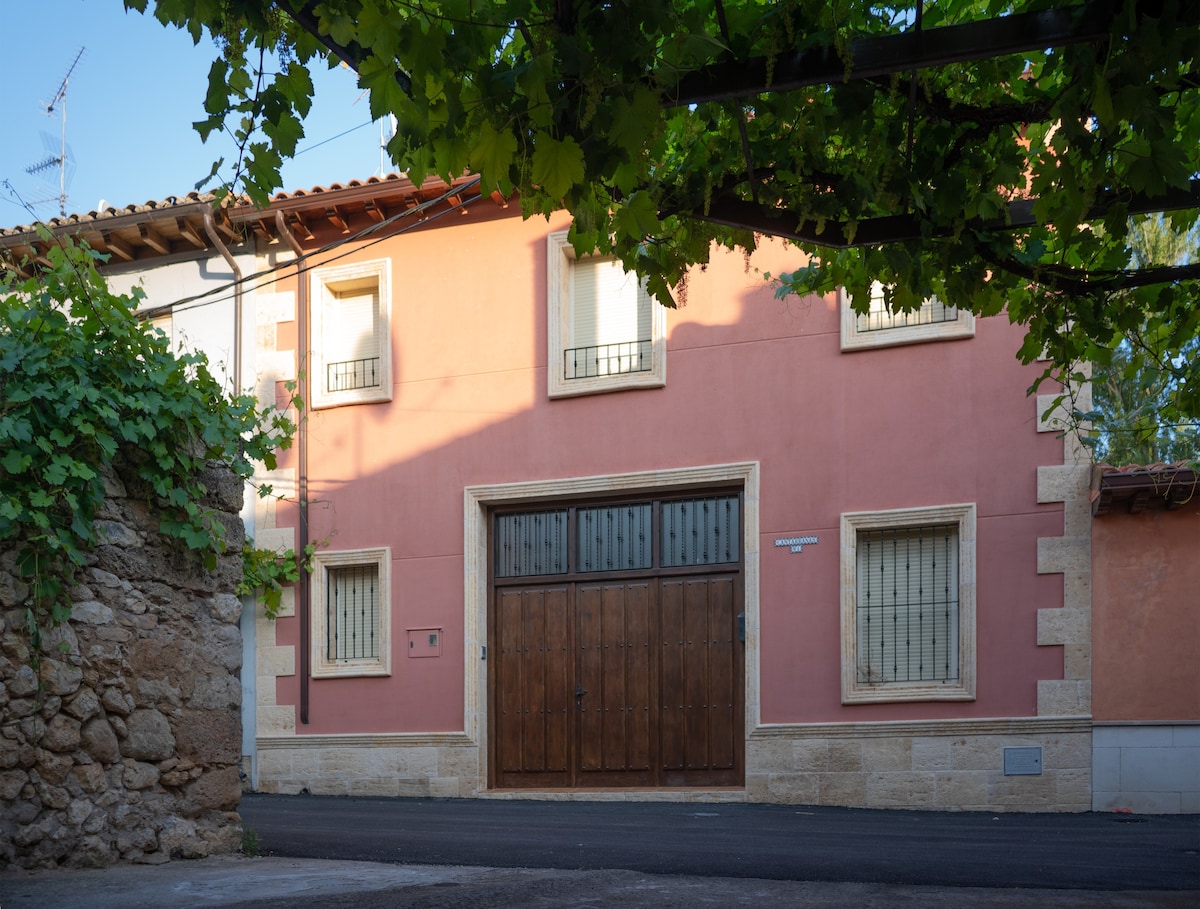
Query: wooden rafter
x=154, y=239
x=335, y=217
x=116, y=245
x=188, y=231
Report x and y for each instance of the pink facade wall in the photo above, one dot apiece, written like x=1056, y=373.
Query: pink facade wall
x=748, y=378
x=1146, y=615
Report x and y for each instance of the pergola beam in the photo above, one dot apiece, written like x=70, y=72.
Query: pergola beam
x=870, y=58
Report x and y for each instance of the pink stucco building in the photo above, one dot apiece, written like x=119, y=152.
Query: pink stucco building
x=572, y=544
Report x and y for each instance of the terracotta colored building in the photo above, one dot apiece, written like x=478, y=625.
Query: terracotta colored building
x=572, y=544
x=1146, y=689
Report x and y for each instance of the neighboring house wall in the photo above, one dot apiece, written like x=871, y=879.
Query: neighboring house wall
x=129, y=749
x=756, y=394
x=1147, y=675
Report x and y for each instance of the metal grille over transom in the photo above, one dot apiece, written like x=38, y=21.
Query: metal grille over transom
x=531, y=544
x=352, y=595
x=614, y=537
x=908, y=604
x=700, y=531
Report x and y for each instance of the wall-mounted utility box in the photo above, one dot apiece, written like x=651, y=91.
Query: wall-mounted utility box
x=424, y=642
x=1023, y=761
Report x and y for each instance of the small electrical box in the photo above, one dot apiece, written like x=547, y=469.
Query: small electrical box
x=1023, y=761
x=424, y=642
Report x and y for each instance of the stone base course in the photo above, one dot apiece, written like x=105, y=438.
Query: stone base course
x=919, y=767
x=124, y=744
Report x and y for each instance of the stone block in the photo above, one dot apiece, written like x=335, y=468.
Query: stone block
x=770, y=755
x=887, y=754
x=276, y=720
x=901, y=789
x=810, y=755
x=845, y=789
x=794, y=788
x=960, y=790
x=1064, y=698
x=931, y=753
x=148, y=737
x=1064, y=626
x=845, y=756
x=347, y=763
x=1059, y=554
x=275, y=661
x=375, y=788
x=219, y=789
x=977, y=753
x=1077, y=661
x=1062, y=482
x=276, y=539
x=1074, y=789
x=1023, y=793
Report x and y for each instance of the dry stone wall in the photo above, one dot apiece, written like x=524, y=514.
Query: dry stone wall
x=124, y=744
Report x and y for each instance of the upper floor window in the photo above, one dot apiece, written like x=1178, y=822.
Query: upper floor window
x=351, y=349
x=934, y=321
x=605, y=331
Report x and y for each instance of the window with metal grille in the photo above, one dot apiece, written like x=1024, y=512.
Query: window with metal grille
x=908, y=604
x=879, y=318
x=352, y=599
x=351, y=613
x=934, y=320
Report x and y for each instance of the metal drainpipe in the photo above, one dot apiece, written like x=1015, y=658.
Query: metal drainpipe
x=303, y=593
x=210, y=228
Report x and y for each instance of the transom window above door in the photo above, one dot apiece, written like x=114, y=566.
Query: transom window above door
x=627, y=536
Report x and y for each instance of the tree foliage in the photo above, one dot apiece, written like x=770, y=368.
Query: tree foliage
x=1132, y=383
x=989, y=152
x=85, y=384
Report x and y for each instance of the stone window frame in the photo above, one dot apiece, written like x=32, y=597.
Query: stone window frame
x=322, y=667
x=324, y=284
x=962, y=515
x=560, y=257
x=853, y=339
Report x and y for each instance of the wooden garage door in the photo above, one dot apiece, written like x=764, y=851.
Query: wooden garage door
x=627, y=671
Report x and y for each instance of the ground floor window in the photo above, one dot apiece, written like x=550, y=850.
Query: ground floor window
x=351, y=613
x=908, y=604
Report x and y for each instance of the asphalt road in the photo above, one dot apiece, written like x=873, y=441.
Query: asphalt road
x=1096, y=852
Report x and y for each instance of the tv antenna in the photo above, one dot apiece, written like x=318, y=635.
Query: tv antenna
x=63, y=159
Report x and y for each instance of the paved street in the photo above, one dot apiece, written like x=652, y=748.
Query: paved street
x=771, y=842
x=341, y=853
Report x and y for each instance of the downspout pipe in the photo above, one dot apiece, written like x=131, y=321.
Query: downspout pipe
x=210, y=227
x=303, y=588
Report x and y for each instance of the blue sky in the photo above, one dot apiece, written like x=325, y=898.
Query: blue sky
x=130, y=105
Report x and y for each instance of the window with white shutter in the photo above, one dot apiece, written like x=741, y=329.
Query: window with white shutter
x=351, y=351
x=908, y=604
x=605, y=332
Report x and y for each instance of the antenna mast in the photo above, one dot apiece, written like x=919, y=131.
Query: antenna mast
x=59, y=160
